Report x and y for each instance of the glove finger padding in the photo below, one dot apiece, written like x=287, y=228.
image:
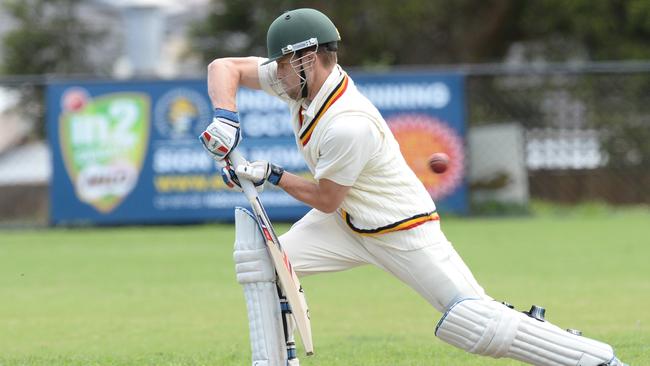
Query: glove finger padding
x=261, y=171
x=256, y=171
x=222, y=135
x=231, y=179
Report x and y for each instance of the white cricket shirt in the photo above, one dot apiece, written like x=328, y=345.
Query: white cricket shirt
x=344, y=138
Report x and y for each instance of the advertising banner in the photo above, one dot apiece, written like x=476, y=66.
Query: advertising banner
x=128, y=152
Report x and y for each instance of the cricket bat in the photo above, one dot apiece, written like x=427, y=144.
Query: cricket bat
x=288, y=279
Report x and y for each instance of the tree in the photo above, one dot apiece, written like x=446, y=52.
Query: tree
x=374, y=32
x=421, y=32
x=605, y=29
x=48, y=38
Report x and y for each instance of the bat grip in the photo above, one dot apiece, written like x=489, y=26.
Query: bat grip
x=237, y=159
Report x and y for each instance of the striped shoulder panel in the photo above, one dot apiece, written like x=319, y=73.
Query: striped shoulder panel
x=333, y=97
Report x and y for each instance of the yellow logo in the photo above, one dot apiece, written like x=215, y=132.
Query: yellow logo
x=181, y=113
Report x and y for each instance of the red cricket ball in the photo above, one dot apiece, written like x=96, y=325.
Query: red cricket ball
x=438, y=162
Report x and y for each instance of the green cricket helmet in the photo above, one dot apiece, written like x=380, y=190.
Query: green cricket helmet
x=299, y=29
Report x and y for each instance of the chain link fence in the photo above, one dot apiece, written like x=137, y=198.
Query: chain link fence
x=585, y=128
x=565, y=134
x=24, y=154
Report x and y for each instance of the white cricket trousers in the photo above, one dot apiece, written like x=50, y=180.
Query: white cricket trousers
x=321, y=242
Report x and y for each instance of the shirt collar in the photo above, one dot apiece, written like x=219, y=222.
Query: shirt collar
x=330, y=83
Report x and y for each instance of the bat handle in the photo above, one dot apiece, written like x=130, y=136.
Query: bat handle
x=249, y=189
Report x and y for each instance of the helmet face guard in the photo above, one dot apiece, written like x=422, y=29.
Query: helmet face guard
x=300, y=62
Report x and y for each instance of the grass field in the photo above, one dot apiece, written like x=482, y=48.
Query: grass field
x=168, y=295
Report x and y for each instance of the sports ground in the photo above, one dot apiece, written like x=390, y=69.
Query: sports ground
x=168, y=296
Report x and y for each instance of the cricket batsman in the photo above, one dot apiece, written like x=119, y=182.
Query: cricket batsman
x=368, y=205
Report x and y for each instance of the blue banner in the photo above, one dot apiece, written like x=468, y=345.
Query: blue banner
x=127, y=152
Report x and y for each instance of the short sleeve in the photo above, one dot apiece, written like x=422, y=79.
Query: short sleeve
x=268, y=75
x=345, y=148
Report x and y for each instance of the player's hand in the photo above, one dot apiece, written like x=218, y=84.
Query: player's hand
x=222, y=135
x=259, y=172
x=232, y=180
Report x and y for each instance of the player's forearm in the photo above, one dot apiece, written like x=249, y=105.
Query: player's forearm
x=307, y=192
x=223, y=81
x=226, y=75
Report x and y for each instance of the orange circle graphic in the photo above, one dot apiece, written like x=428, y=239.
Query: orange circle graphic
x=421, y=135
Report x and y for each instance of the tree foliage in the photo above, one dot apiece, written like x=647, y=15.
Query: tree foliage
x=606, y=29
x=48, y=38
x=386, y=32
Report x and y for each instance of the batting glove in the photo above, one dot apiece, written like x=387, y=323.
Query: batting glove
x=222, y=135
x=259, y=172
x=232, y=180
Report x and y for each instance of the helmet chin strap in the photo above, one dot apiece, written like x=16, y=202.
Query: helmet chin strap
x=305, y=89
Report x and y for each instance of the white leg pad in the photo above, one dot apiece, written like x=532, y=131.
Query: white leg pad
x=490, y=328
x=255, y=272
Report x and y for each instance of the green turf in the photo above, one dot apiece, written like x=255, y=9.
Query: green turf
x=168, y=295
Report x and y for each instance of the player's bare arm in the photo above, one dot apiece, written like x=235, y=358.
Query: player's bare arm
x=325, y=195
x=226, y=75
